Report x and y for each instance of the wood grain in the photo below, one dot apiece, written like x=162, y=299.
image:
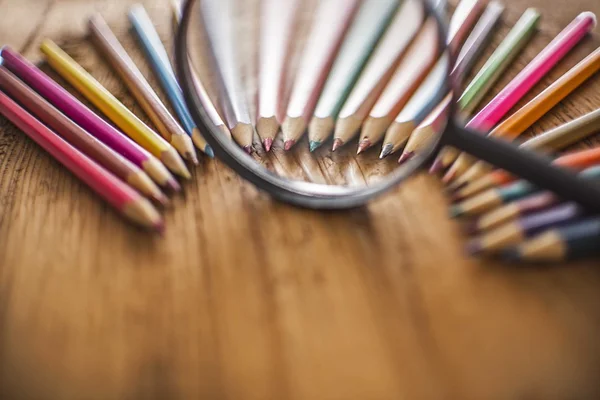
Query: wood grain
x=246, y=298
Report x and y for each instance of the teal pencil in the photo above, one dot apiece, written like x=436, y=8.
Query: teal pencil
x=370, y=23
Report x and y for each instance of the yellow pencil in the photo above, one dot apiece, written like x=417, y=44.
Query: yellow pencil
x=113, y=108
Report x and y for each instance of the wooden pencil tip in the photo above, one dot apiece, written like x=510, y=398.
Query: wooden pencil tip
x=267, y=144
x=267, y=128
x=474, y=247
x=173, y=161
x=471, y=228
x=436, y=167
x=248, y=149
x=337, y=143
x=289, y=144
x=319, y=129
x=347, y=127
x=293, y=128
x=405, y=157
x=456, y=211
x=363, y=145
x=172, y=185
x=314, y=145
x=386, y=150
x=243, y=134
x=449, y=177
x=374, y=129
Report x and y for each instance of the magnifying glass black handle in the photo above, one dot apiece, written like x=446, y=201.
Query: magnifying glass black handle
x=533, y=167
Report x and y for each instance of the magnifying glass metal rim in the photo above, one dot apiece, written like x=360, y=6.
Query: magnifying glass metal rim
x=533, y=167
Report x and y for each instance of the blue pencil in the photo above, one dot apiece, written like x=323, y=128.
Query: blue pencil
x=159, y=61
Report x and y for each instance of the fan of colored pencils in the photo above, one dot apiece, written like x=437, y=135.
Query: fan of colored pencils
x=365, y=75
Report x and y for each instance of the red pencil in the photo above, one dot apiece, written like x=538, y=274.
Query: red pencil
x=117, y=193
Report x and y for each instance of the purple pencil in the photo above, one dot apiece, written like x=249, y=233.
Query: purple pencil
x=515, y=232
x=86, y=118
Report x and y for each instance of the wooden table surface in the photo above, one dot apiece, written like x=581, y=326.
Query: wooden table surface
x=246, y=298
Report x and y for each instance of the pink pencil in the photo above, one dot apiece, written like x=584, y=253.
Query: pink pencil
x=87, y=119
x=497, y=109
x=116, y=192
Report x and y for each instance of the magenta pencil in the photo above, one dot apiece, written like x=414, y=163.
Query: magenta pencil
x=87, y=119
x=539, y=67
x=114, y=191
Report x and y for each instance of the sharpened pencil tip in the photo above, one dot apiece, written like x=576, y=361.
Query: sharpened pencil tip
x=449, y=177
x=267, y=144
x=173, y=185
x=289, y=144
x=436, y=167
x=456, y=186
x=456, y=197
x=159, y=227
x=191, y=157
x=405, y=157
x=474, y=247
x=363, y=145
x=337, y=143
x=386, y=150
x=161, y=199
x=248, y=149
x=208, y=151
x=314, y=145
x=456, y=211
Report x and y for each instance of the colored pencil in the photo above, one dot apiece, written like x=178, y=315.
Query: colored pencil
x=466, y=169
x=465, y=15
x=508, y=97
x=379, y=70
x=423, y=134
x=205, y=99
x=515, y=232
x=276, y=29
x=88, y=120
x=413, y=69
x=331, y=22
x=510, y=212
x=495, y=197
x=573, y=241
x=429, y=97
x=79, y=138
x=418, y=108
x=220, y=31
x=159, y=61
x=140, y=88
x=555, y=139
x=514, y=42
x=131, y=125
x=370, y=23
x=114, y=191
x=478, y=39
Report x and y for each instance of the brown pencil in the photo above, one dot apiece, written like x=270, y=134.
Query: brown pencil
x=139, y=87
x=79, y=138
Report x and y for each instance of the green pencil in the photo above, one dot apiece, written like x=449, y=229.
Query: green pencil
x=499, y=61
x=370, y=23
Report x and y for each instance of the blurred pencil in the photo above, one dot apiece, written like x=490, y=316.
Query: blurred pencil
x=79, y=138
x=466, y=169
x=113, y=108
x=515, y=232
x=576, y=240
x=331, y=22
x=510, y=212
x=88, y=120
x=205, y=99
x=220, y=31
x=428, y=97
x=413, y=69
x=425, y=132
x=495, y=197
x=514, y=42
x=276, y=29
x=478, y=39
x=140, y=88
x=370, y=23
x=114, y=191
x=555, y=139
x=379, y=70
x=508, y=97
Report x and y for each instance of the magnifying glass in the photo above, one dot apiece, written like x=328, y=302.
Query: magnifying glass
x=216, y=46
